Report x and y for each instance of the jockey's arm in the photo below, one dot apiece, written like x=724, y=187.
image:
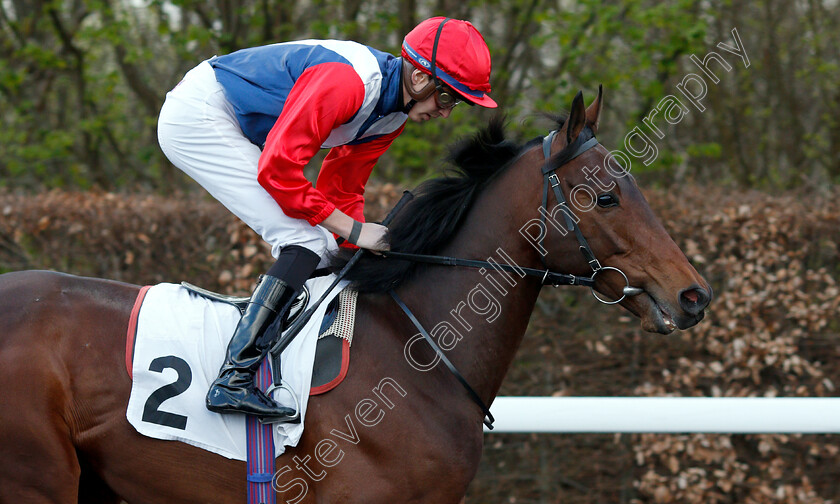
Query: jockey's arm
x=346, y=170
x=342, y=179
x=324, y=97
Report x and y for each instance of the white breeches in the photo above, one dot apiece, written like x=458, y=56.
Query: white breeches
x=199, y=133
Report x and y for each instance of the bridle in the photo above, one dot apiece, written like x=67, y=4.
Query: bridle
x=585, y=141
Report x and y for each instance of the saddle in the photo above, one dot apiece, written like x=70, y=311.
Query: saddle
x=332, y=352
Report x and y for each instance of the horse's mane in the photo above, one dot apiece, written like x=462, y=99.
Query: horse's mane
x=429, y=221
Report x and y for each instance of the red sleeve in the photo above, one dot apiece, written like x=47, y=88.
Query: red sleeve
x=345, y=172
x=324, y=97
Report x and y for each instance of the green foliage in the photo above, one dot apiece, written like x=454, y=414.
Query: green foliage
x=709, y=150
x=82, y=82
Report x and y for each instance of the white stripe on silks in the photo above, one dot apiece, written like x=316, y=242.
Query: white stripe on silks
x=365, y=64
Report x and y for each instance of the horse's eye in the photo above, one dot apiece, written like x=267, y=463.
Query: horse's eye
x=607, y=200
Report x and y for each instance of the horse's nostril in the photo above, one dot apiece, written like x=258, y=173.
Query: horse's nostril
x=694, y=300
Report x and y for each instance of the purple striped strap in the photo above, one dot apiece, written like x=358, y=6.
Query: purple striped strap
x=260, y=451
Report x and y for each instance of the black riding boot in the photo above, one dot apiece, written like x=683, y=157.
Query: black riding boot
x=234, y=389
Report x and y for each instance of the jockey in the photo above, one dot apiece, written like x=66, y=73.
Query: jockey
x=244, y=125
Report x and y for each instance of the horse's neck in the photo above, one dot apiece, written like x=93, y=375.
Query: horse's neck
x=489, y=310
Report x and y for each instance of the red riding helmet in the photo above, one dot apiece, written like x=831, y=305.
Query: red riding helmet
x=454, y=52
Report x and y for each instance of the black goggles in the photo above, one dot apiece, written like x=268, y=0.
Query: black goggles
x=445, y=97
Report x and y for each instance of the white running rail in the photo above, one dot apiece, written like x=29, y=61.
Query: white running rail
x=735, y=415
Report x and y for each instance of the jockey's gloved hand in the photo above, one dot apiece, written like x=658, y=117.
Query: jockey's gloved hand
x=374, y=236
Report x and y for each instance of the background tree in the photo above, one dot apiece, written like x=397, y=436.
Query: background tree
x=82, y=81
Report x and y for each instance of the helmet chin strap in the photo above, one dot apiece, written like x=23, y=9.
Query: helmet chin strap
x=429, y=88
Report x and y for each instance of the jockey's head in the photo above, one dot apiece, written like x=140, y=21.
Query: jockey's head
x=448, y=58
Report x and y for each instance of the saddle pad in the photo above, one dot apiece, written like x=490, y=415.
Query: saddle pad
x=180, y=344
x=332, y=353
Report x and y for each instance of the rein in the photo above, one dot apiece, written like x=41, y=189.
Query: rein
x=546, y=276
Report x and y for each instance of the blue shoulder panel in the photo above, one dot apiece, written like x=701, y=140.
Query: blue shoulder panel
x=257, y=81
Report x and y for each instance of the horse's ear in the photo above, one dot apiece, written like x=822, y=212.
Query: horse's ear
x=593, y=113
x=577, y=119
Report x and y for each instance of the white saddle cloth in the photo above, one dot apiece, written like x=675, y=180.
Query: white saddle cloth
x=180, y=345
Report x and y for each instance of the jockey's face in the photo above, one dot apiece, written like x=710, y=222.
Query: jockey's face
x=428, y=108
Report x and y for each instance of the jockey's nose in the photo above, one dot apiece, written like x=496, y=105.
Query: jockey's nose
x=444, y=112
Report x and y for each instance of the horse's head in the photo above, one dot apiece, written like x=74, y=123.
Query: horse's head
x=498, y=188
x=666, y=292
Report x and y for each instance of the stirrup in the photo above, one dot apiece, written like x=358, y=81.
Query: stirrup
x=270, y=394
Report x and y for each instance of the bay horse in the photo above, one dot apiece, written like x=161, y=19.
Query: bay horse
x=399, y=428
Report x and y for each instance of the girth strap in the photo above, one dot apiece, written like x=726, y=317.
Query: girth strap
x=488, y=417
